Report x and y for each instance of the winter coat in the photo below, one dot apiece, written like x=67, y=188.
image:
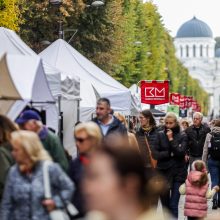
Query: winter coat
x=76, y=174
x=151, y=137
x=23, y=193
x=196, y=201
x=170, y=155
x=53, y=146
x=6, y=161
x=115, y=127
x=207, y=143
x=196, y=139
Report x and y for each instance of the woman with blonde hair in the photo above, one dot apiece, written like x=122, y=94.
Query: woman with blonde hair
x=169, y=151
x=6, y=159
x=131, y=137
x=24, y=190
x=88, y=138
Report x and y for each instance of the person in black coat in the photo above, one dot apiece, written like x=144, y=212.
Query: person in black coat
x=196, y=134
x=88, y=139
x=147, y=131
x=169, y=151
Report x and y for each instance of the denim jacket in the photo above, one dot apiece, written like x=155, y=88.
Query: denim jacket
x=23, y=194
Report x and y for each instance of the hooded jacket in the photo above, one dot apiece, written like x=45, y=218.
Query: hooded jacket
x=196, y=201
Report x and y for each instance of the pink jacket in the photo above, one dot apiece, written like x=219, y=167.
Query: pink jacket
x=196, y=201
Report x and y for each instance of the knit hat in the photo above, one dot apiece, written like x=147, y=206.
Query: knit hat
x=28, y=115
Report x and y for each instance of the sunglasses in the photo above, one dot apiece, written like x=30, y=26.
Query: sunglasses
x=81, y=140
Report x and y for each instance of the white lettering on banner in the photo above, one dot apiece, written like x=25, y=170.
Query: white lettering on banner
x=154, y=92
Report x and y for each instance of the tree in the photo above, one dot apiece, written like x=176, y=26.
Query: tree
x=41, y=20
x=10, y=14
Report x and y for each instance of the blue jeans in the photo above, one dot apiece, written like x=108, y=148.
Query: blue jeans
x=214, y=169
x=171, y=199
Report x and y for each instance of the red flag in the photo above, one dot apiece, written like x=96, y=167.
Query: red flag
x=155, y=92
x=194, y=105
x=174, y=98
x=189, y=101
x=182, y=102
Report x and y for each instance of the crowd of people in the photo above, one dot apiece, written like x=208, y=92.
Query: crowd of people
x=121, y=172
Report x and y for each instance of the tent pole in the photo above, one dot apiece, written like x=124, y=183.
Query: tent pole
x=78, y=110
x=60, y=120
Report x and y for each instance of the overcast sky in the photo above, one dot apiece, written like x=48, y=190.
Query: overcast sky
x=176, y=12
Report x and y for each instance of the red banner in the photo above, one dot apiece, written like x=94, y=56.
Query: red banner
x=183, y=102
x=174, y=98
x=189, y=101
x=154, y=92
x=194, y=105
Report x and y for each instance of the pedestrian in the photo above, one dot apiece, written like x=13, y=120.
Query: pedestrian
x=146, y=136
x=6, y=159
x=196, y=189
x=131, y=136
x=196, y=134
x=169, y=151
x=211, y=156
x=30, y=120
x=107, y=122
x=184, y=124
x=116, y=185
x=24, y=190
x=88, y=138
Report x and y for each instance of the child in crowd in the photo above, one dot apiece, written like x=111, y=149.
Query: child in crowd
x=196, y=189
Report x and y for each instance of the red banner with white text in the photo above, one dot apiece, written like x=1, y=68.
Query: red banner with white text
x=174, y=98
x=155, y=92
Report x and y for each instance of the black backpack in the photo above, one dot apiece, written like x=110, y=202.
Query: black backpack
x=214, y=150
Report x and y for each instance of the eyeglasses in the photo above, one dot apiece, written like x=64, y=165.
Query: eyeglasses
x=196, y=118
x=81, y=140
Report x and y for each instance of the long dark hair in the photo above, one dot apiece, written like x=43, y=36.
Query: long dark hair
x=6, y=128
x=148, y=114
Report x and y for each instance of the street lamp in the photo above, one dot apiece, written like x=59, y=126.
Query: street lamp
x=55, y=2
x=97, y=3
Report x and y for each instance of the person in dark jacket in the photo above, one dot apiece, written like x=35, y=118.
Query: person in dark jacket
x=30, y=120
x=88, y=138
x=169, y=151
x=148, y=130
x=6, y=159
x=107, y=122
x=196, y=134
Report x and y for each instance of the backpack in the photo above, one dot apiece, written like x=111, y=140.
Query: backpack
x=214, y=150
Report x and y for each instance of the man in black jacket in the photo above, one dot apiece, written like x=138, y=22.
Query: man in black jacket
x=196, y=134
x=108, y=123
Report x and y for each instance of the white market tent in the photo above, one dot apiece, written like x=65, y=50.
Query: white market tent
x=11, y=43
x=18, y=83
x=61, y=55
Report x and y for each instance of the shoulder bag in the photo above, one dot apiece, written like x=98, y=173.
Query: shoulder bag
x=152, y=160
x=56, y=214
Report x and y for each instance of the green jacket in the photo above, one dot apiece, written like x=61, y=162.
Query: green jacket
x=6, y=161
x=51, y=143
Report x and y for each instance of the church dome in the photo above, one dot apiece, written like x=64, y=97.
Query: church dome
x=217, y=52
x=194, y=28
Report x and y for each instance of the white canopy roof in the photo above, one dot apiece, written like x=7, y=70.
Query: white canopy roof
x=71, y=62
x=22, y=78
x=11, y=43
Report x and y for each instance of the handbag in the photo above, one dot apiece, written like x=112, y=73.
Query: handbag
x=56, y=214
x=152, y=160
